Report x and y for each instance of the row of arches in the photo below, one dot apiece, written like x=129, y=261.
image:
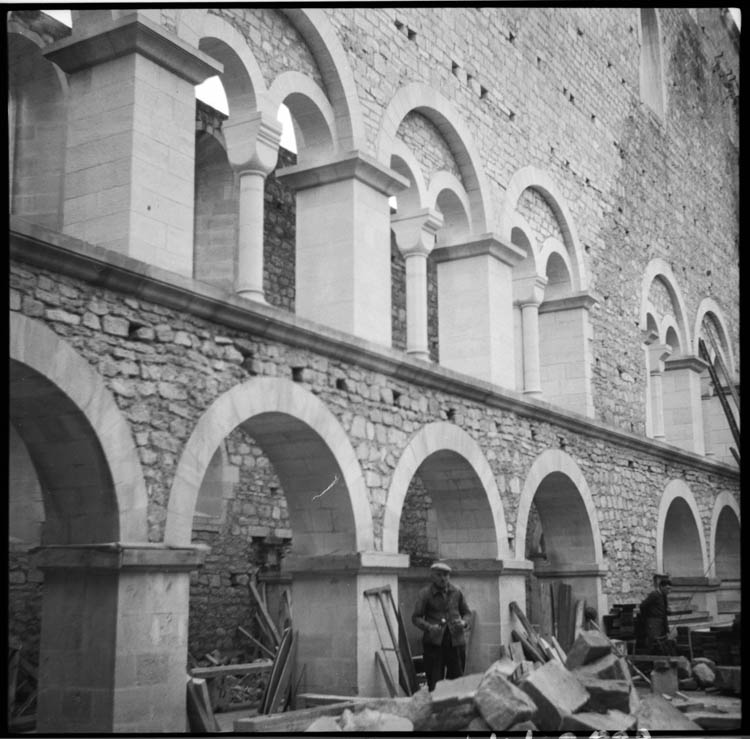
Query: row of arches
x=67, y=424
x=682, y=403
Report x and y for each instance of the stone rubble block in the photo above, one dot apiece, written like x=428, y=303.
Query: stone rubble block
x=606, y=694
x=460, y=690
x=324, y=723
x=371, y=720
x=588, y=647
x=556, y=692
x=610, y=667
x=704, y=675
x=657, y=714
x=612, y=720
x=417, y=708
x=501, y=703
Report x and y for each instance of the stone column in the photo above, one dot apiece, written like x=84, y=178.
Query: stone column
x=337, y=634
x=415, y=237
x=657, y=353
x=343, y=271
x=130, y=154
x=529, y=294
x=475, y=288
x=252, y=149
x=683, y=412
x=113, y=649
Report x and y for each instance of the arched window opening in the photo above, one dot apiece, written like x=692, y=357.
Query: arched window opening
x=288, y=137
x=212, y=93
x=652, y=89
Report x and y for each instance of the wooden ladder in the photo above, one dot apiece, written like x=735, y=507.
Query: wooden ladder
x=396, y=641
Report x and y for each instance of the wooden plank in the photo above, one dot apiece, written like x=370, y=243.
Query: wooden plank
x=291, y=721
x=276, y=670
x=560, y=651
x=529, y=649
x=308, y=700
x=553, y=609
x=258, y=644
x=266, y=617
x=201, y=718
x=386, y=672
x=409, y=681
x=471, y=621
x=248, y=668
x=516, y=651
x=521, y=616
x=281, y=690
x=578, y=619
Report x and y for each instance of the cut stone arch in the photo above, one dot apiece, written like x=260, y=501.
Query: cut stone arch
x=81, y=445
x=557, y=268
x=725, y=538
x=312, y=115
x=447, y=194
x=316, y=29
x=658, y=268
x=37, y=100
x=558, y=468
x=680, y=544
x=420, y=98
x=711, y=309
x=557, y=528
x=308, y=449
x=454, y=470
x=532, y=177
x=669, y=332
x=404, y=162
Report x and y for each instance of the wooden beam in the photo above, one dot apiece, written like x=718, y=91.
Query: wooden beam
x=247, y=668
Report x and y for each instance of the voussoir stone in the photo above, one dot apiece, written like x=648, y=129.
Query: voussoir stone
x=500, y=702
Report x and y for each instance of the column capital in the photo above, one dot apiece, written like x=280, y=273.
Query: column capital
x=253, y=143
x=688, y=362
x=416, y=232
x=529, y=290
x=583, y=299
x=486, y=244
x=133, y=33
x=351, y=165
x=119, y=556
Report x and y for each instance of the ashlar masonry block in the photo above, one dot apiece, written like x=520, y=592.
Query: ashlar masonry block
x=131, y=130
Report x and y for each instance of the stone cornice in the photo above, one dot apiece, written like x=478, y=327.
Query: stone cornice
x=133, y=34
x=689, y=363
x=350, y=165
x=487, y=244
x=119, y=556
x=572, y=302
x=104, y=268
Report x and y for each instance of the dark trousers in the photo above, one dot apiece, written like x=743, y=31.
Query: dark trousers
x=443, y=662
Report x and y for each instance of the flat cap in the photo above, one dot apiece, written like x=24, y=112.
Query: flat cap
x=440, y=566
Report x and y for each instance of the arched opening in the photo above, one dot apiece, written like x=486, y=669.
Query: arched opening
x=727, y=558
x=682, y=552
x=36, y=126
x=651, y=82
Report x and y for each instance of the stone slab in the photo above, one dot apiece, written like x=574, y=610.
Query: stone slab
x=500, y=703
x=459, y=690
x=556, y=692
x=607, y=694
x=592, y=721
x=610, y=667
x=589, y=646
x=657, y=714
x=719, y=721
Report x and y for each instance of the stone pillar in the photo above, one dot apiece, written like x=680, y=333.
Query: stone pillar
x=252, y=149
x=113, y=651
x=565, y=352
x=338, y=637
x=343, y=272
x=529, y=293
x=683, y=412
x=657, y=353
x=475, y=323
x=415, y=237
x=130, y=154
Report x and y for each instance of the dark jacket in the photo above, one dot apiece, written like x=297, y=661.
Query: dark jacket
x=445, y=608
x=653, y=610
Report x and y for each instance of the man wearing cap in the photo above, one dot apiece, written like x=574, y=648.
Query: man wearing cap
x=653, y=613
x=440, y=613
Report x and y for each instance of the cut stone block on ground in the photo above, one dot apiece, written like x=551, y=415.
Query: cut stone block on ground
x=501, y=703
x=556, y=692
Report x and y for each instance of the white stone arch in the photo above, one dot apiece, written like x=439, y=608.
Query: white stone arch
x=669, y=322
x=552, y=246
x=532, y=265
x=404, y=162
x=657, y=267
x=312, y=114
x=678, y=490
x=429, y=102
x=14, y=27
x=457, y=216
x=35, y=345
x=548, y=462
x=263, y=395
x=433, y=438
x=542, y=182
x=723, y=500
x=321, y=37
x=711, y=307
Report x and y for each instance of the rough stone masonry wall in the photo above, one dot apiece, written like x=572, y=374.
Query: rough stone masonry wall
x=165, y=369
x=562, y=94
